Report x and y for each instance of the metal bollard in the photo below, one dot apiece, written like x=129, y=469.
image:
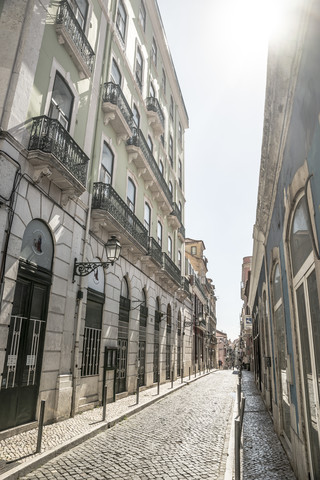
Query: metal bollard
x=242, y=407
x=189, y=373
x=237, y=437
x=138, y=389
x=40, y=425
x=171, y=378
x=238, y=396
x=158, y=384
x=181, y=375
x=104, y=404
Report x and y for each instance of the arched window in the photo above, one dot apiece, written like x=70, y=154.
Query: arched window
x=147, y=216
x=300, y=241
x=124, y=292
x=106, y=169
x=170, y=246
x=159, y=233
x=115, y=75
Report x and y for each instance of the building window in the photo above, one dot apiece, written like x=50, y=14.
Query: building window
x=159, y=233
x=92, y=334
x=131, y=195
x=180, y=173
x=121, y=20
x=152, y=91
x=193, y=250
x=180, y=133
x=147, y=216
x=170, y=247
x=179, y=260
x=162, y=139
x=142, y=16
x=154, y=52
x=171, y=150
x=300, y=241
x=61, y=102
x=170, y=186
x=80, y=10
x=106, y=169
x=150, y=144
x=161, y=167
x=171, y=107
x=139, y=68
x=180, y=207
x=164, y=81
x=115, y=76
x=136, y=116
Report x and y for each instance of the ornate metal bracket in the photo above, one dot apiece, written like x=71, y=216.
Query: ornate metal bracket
x=82, y=269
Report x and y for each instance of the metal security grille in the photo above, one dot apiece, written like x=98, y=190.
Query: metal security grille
x=121, y=364
x=156, y=360
x=178, y=360
x=91, y=351
x=168, y=355
x=33, y=328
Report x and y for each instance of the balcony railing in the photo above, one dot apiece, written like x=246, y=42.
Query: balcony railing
x=67, y=22
x=155, y=250
x=153, y=105
x=139, y=141
x=171, y=268
x=49, y=136
x=182, y=231
x=104, y=197
x=176, y=212
x=112, y=93
x=199, y=286
x=186, y=285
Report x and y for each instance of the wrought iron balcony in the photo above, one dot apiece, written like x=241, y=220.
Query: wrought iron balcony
x=200, y=287
x=155, y=251
x=70, y=34
x=106, y=203
x=117, y=111
x=141, y=155
x=184, y=290
x=171, y=268
x=155, y=115
x=175, y=216
x=182, y=232
x=54, y=153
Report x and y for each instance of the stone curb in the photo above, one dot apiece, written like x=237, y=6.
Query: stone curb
x=44, y=457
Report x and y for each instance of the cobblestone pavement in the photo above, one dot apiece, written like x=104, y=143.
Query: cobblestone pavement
x=263, y=455
x=183, y=436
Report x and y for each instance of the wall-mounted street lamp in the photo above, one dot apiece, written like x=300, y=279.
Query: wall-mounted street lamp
x=113, y=249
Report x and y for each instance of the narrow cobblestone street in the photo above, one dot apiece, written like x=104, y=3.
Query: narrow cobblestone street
x=184, y=435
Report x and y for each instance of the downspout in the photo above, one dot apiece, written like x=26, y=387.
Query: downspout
x=78, y=313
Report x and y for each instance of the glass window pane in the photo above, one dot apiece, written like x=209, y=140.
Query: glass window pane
x=315, y=316
x=107, y=164
x=61, y=102
x=131, y=194
x=115, y=73
x=300, y=241
x=276, y=285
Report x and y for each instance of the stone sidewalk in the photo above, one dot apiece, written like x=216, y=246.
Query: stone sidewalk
x=17, y=453
x=263, y=457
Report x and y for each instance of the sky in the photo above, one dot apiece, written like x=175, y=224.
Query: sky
x=219, y=49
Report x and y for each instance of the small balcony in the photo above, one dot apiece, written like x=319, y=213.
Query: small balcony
x=111, y=212
x=174, y=219
x=117, y=111
x=152, y=262
x=54, y=154
x=155, y=115
x=171, y=269
x=141, y=155
x=182, y=233
x=184, y=291
x=71, y=35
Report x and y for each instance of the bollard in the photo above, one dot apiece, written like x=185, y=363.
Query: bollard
x=195, y=371
x=104, y=404
x=158, y=384
x=40, y=425
x=238, y=396
x=138, y=389
x=181, y=375
x=242, y=407
x=171, y=378
x=189, y=373
x=237, y=437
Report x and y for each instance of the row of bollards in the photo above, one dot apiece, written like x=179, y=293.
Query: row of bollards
x=238, y=428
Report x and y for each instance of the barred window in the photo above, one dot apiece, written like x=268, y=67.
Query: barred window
x=92, y=334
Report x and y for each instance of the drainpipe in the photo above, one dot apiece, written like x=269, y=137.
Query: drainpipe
x=79, y=309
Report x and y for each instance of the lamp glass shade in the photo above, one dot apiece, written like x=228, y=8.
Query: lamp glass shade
x=113, y=249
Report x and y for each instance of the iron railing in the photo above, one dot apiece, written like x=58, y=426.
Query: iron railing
x=104, y=197
x=139, y=141
x=49, y=136
x=155, y=250
x=171, y=268
x=176, y=212
x=199, y=285
x=66, y=17
x=153, y=105
x=182, y=231
x=185, y=285
x=112, y=93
